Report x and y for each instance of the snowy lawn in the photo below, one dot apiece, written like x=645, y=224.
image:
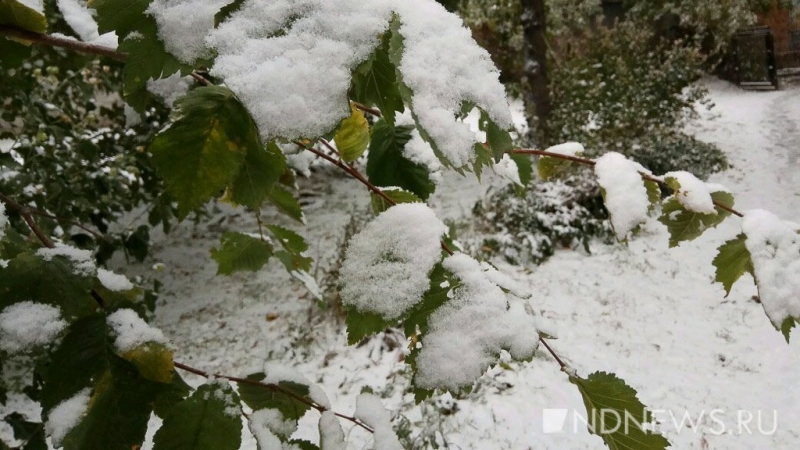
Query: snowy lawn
x=710, y=366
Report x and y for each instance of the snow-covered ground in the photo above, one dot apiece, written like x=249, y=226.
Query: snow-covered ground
x=648, y=313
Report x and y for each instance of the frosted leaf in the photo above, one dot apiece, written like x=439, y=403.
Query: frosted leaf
x=507, y=168
x=82, y=260
x=290, y=62
x=81, y=19
x=184, y=24
x=387, y=264
x=66, y=415
x=131, y=331
x=36, y=5
x=625, y=192
x=169, y=89
x=567, y=148
x=420, y=152
x=113, y=281
x=693, y=193
x=25, y=325
x=445, y=67
x=275, y=373
x=774, y=247
x=370, y=410
x=309, y=282
x=267, y=424
x=331, y=435
x=467, y=333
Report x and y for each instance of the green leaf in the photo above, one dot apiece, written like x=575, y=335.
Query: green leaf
x=732, y=261
x=19, y=15
x=374, y=82
x=226, y=11
x=550, y=167
x=442, y=282
x=54, y=282
x=14, y=54
x=118, y=410
x=293, y=247
x=653, y=193
x=685, y=225
x=386, y=165
x=616, y=414
x=363, y=324
x=352, y=136
x=261, y=169
x=284, y=398
x=239, y=251
x=786, y=327
x=303, y=444
x=31, y=433
x=120, y=16
x=203, y=151
x=208, y=420
x=380, y=204
x=171, y=395
x=138, y=242
x=499, y=140
x=524, y=166
x=285, y=202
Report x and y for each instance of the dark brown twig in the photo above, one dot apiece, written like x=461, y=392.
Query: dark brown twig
x=69, y=44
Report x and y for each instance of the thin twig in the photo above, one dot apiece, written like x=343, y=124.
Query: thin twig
x=26, y=215
x=552, y=353
x=589, y=162
x=70, y=44
x=273, y=388
x=367, y=109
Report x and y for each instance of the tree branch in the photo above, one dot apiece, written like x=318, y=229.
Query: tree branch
x=273, y=388
x=69, y=44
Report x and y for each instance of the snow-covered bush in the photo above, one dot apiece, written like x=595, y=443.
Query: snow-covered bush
x=562, y=213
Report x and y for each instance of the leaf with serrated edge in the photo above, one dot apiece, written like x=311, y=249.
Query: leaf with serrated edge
x=286, y=203
x=732, y=261
x=380, y=204
x=374, y=82
x=352, y=136
x=685, y=225
x=284, y=398
x=363, y=324
x=386, y=165
x=203, y=151
x=208, y=419
x=239, y=251
x=616, y=414
x=261, y=169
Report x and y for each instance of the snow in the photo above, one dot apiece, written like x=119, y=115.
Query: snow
x=420, y=152
x=468, y=332
x=625, y=193
x=82, y=260
x=184, y=24
x=278, y=75
x=567, y=148
x=370, y=410
x=507, y=169
x=444, y=67
x=692, y=193
x=170, y=88
x=131, y=331
x=36, y=5
x=774, y=247
x=26, y=325
x=267, y=424
x=66, y=415
x=80, y=18
x=3, y=220
x=387, y=264
x=113, y=281
x=331, y=434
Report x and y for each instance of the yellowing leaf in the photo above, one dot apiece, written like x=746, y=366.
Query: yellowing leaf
x=153, y=360
x=352, y=136
x=19, y=15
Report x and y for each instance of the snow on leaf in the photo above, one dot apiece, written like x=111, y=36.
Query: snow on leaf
x=467, y=332
x=26, y=325
x=387, y=264
x=616, y=414
x=28, y=15
x=774, y=247
x=331, y=435
x=114, y=282
x=624, y=192
x=184, y=24
x=443, y=67
x=685, y=225
x=389, y=163
x=371, y=411
x=380, y=204
x=375, y=82
x=66, y=415
x=691, y=192
x=131, y=331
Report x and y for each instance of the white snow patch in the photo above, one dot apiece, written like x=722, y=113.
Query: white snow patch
x=82, y=260
x=131, y=331
x=625, y=193
x=81, y=19
x=420, y=152
x=171, y=88
x=184, y=24
x=113, y=281
x=371, y=411
x=3, y=220
x=774, y=247
x=693, y=193
x=507, y=169
x=331, y=435
x=26, y=325
x=567, y=148
x=66, y=415
x=444, y=67
x=468, y=332
x=36, y=5
x=387, y=264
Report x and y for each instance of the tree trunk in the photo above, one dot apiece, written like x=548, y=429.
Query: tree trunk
x=534, y=25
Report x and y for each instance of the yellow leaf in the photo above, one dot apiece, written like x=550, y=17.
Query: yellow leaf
x=153, y=360
x=352, y=136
